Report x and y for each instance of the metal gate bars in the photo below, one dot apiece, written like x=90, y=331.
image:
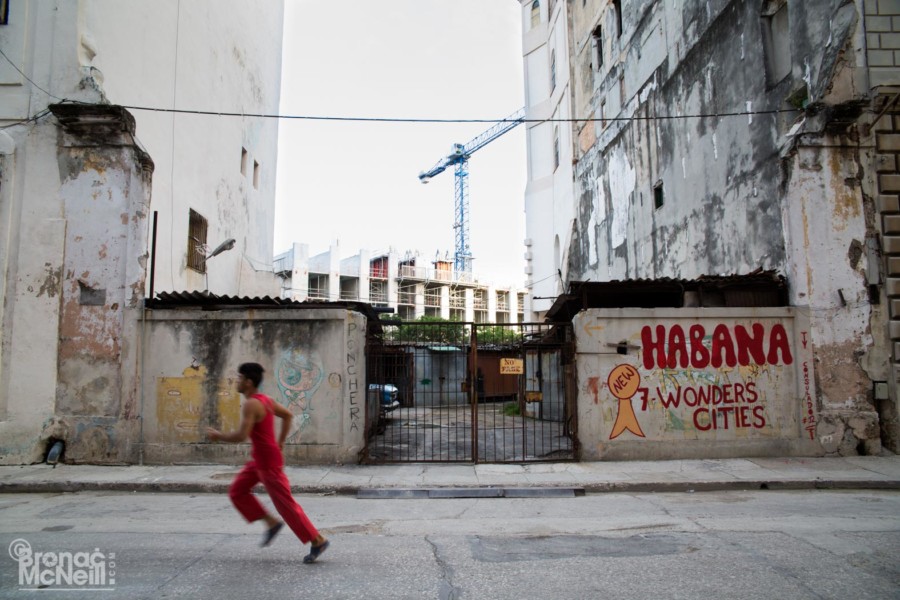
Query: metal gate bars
x=447, y=391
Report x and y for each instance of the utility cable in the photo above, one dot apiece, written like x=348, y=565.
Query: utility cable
x=742, y=113
x=22, y=73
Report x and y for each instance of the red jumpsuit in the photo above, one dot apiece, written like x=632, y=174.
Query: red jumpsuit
x=266, y=468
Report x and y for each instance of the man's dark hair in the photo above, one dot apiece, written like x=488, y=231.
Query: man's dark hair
x=253, y=372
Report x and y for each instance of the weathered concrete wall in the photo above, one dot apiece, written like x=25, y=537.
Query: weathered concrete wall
x=697, y=383
x=315, y=367
x=730, y=136
x=74, y=266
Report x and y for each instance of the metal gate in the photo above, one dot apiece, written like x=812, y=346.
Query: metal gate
x=444, y=391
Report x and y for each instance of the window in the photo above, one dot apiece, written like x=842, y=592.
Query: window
x=552, y=70
x=255, y=175
x=555, y=148
x=658, y=195
x=617, y=6
x=196, y=258
x=535, y=13
x=4, y=12
x=597, y=37
x=776, y=37
x=244, y=158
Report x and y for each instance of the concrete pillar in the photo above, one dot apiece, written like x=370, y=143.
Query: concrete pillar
x=420, y=300
x=470, y=304
x=334, y=272
x=445, y=301
x=299, y=289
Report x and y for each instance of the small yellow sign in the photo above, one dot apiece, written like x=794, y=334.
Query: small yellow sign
x=534, y=396
x=511, y=366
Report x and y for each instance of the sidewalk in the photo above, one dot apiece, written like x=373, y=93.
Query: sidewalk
x=864, y=472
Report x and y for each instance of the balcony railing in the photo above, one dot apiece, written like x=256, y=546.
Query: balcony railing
x=318, y=293
x=432, y=298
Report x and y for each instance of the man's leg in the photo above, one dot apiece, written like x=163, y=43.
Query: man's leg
x=241, y=494
x=279, y=489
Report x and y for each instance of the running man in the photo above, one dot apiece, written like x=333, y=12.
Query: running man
x=266, y=467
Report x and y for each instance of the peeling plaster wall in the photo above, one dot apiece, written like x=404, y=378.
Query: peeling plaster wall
x=790, y=191
x=74, y=266
x=32, y=261
x=315, y=367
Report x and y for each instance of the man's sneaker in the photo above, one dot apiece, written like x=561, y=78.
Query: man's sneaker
x=270, y=534
x=315, y=552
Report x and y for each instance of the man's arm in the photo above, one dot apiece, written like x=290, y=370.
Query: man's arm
x=248, y=418
x=286, y=417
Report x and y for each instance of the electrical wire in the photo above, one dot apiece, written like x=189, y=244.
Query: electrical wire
x=35, y=117
x=22, y=73
x=742, y=113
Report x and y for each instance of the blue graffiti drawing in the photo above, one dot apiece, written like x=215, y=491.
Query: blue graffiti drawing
x=298, y=377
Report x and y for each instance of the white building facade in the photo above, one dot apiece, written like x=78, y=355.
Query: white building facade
x=81, y=178
x=549, y=193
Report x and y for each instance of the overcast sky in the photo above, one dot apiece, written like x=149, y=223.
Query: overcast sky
x=358, y=182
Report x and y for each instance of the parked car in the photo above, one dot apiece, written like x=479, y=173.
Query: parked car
x=388, y=395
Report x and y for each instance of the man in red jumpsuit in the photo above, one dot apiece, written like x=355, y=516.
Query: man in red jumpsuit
x=266, y=467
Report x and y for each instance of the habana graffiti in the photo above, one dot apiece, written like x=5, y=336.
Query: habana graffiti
x=681, y=361
x=297, y=377
x=730, y=346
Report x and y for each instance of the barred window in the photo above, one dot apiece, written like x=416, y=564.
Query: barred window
x=196, y=258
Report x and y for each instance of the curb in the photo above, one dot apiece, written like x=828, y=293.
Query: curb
x=56, y=487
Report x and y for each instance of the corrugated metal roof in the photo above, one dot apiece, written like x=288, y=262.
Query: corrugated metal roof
x=758, y=288
x=208, y=301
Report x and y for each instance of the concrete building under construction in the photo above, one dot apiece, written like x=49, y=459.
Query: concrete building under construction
x=406, y=282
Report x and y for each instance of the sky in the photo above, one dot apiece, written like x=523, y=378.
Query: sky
x=358, y=182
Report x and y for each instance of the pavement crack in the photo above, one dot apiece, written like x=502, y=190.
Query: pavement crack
x=447, y=590
x=190, y=564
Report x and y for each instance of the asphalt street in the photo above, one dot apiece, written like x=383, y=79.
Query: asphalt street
x=729, y=544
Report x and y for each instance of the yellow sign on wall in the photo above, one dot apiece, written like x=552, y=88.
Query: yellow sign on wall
x=511, y=366
x=179, y=406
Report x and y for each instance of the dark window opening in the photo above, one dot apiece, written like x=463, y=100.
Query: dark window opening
x=555, y=148
x=244, y=157
x=552, y=70
x=255, y=175
x=776, y=39
x=4, y=12
x=658, y=195
x=196, y=258
x=598, y=47
x=617, y=6
x=535, y=14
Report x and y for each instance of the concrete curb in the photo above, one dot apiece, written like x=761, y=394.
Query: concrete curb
x=57, y=487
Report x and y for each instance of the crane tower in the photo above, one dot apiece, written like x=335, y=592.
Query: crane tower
x=459, y=158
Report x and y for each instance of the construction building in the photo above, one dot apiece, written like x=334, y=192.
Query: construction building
x=410, y=285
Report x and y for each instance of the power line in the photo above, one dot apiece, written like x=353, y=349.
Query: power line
x=742, y=113
x=22, y=73
x=35, y=117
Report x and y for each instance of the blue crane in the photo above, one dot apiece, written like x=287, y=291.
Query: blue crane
x=459, y=156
